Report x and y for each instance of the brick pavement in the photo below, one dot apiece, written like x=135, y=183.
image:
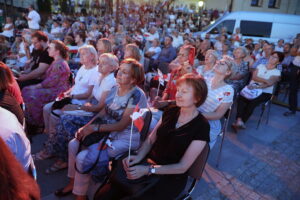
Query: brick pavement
x=271, y=171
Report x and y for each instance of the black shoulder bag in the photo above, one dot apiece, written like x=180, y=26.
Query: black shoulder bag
x=92, y=139
x=133, y=188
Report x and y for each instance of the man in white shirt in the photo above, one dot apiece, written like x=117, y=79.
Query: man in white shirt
x=150, y=36
x=11, y=131
x=153, y=34
x=56, y=30
x=279, y=46
x=177, y=39
x=8, y=30
x=33, y=18
x=154, y=51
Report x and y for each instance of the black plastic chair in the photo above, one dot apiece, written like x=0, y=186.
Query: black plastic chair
x=223, y=132
x=265, y=105
x=263, y=108
x=196, y=170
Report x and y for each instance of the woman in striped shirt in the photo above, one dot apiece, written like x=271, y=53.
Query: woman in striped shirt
x=219, y=97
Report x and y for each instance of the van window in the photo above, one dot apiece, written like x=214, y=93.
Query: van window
x=229, y=24
x=256, y=29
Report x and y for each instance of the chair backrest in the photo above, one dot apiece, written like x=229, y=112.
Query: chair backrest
x=197, y=167
x=147, y=121
x=228, y=113
x=226, y=119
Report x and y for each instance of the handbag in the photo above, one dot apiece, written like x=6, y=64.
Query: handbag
x=251, y=93
x=133, y=188
x=59, y=104
x=94, y=137
x=95, y=165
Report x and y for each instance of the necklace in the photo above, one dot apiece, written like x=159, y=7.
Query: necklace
x=183, y=122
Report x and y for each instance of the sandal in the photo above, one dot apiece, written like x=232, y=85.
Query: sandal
x=241, y=125
x=57, y=166
x=42, y=155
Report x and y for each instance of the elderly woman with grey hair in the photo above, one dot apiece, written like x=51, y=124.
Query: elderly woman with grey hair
x=81, y=90
x=206, y=70
x=81, y=114
x=240, y=70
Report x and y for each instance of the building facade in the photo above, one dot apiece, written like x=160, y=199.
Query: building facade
x=276, y=6
x=19, y=3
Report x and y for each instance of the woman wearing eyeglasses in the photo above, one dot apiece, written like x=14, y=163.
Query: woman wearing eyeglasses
x=219, y=97
x=264, y=77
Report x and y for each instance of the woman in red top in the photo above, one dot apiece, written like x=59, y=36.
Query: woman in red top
x=183, y=64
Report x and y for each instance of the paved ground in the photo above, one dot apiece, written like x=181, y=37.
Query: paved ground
x=255, y=164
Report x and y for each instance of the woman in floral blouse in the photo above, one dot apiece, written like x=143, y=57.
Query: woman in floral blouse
x=56, y=80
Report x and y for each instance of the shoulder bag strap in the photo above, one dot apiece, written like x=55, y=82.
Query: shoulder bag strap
x=98, y=157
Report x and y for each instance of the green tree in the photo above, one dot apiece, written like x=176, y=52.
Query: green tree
x=44, y=6
x=64, y=6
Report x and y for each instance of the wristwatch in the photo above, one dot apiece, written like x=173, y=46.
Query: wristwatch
x=152, y=170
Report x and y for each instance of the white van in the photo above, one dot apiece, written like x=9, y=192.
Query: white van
x=256, y=25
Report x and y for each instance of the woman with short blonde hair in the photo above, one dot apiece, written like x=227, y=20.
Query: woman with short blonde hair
x=92, y=51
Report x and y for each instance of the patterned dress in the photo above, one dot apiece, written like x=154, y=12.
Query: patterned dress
x=241, y=69
x=56, y=81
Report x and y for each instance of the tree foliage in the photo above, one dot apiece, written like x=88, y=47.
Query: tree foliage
x=44, y=6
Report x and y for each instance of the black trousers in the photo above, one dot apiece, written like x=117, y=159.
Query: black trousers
x=245, y=107
x=294, y=84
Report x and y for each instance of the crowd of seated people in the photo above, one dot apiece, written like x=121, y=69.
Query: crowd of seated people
x=88, y=77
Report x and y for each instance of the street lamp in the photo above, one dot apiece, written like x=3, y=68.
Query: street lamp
x=200, y=4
